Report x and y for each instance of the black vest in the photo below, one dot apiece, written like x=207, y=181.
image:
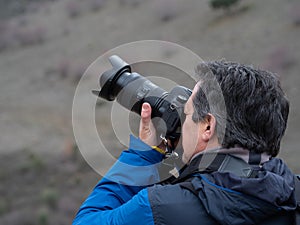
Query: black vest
x=175, y=200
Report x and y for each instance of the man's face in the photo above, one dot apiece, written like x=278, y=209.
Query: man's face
x=190, y=134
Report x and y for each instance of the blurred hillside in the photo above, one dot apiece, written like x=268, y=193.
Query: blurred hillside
x=45, y=46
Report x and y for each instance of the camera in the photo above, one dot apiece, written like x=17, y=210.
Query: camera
x=132, y=89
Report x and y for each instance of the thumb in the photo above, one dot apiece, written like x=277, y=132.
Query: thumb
x=146, y=114
x=147, y=131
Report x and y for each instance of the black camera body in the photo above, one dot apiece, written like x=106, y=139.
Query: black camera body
x=132, y=90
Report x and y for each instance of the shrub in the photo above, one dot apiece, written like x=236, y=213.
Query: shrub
x=40, y=34
x=7, y=38
x=78, y=71
x=30, y=36
x=36, y=162
x=132, y=3
x=73, y=9
x=3, y=175
x=24, y=37
x=63, y=68
x=70, y=151
x=43, y=215
x=224, y=4
x=295, y=14
x=279, y=59
x=166, y=10
x=3, y=206
x=50, y=197
x=96, y=5
x=33, y=163
x=4, y=38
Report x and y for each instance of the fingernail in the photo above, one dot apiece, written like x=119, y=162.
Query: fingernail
x=145, y=107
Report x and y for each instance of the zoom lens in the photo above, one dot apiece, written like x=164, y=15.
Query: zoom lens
x=132, y=89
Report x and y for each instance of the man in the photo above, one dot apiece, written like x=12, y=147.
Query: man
x=231, y=174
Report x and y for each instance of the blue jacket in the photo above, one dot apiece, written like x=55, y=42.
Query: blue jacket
x=127, y=195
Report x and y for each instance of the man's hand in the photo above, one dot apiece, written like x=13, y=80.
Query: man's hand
x=147, y=132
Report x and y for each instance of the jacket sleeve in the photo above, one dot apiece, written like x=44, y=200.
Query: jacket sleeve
x=121, y=196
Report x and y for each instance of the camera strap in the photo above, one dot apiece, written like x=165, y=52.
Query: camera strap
x=212, y=162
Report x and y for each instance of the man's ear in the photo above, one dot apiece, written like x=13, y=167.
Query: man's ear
x=209, y=127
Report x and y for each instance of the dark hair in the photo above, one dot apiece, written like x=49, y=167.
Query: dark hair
x=251, y=107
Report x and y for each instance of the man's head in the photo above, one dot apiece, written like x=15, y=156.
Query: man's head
x=255, y=112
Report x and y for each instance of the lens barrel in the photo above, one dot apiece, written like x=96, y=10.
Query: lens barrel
x=132, y=89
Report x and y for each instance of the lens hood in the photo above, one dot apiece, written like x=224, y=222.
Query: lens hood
x=109, y=78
